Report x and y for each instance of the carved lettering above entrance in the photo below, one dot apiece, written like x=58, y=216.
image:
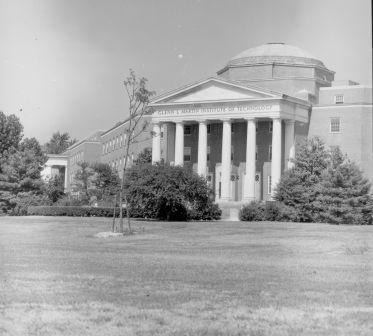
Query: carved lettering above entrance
x=211, y=110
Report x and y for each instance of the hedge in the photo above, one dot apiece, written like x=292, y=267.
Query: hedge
x=74, y=211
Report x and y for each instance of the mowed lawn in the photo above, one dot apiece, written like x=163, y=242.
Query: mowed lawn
x=214, y=278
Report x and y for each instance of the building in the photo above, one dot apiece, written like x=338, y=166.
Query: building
x=240, y=128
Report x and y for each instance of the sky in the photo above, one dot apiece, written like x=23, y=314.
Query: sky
x=63, y=62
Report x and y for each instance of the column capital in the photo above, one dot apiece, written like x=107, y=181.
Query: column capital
x=276, y=118
x=289, y=121
x=201, y=121
x=250, y=118
x=226, y=120
x=182, y=122
x=156, y=122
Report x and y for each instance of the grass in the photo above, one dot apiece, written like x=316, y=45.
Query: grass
x=216, y=278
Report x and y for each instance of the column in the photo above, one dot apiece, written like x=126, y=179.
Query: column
x=226, y=161
x=156, y=147
x=249, y=183
x=179, y=144
x=65, y=179
x=289, y=144
x=276, y=154
x=202, y=148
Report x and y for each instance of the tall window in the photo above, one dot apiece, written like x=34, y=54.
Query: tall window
x=339, y=99
x=270, y=153
x=232, y=128
x=335, y=125
x=270, y=127
x=232, y=153
x=269, y=184
x=208, y=153
x=209, y=129
x=162, y=132
x=187, y=130
x=187, y=154
x=256, y=153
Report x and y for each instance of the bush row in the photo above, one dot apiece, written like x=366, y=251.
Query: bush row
x=269, y=211
x=74, y=211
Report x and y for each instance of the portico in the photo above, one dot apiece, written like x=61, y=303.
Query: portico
x=226, y=128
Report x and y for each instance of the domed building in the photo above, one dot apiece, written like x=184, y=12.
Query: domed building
x=240, y=128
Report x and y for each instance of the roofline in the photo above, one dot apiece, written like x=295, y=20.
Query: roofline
x=116, y=126
x=213, y=78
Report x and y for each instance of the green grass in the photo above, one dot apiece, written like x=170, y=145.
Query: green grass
x=216, y=278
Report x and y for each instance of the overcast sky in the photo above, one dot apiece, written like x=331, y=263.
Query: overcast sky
x=62, y=62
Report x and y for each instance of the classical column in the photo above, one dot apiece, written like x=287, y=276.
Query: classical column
x=289, y=144
x=156, y=148
x=202, y=148
x=249, y=184
x=65, y=179
x=179, y=144
x=226, y=161
x=276, y=154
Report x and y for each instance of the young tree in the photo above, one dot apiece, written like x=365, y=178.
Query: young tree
x=343, y=193
x=55, y=188
x=138, y=96
x=83, y=181
x=105, y=181
x=297, y=185
x=59, y=143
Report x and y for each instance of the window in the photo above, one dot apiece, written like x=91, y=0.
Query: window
x=187, y=154
x=162, y=132
x=232, y=128
x=270, y=153
x=270, y=128
x=256, y=127
x=339, y=99
x=208, y=153
x=269, y=184
x=256, y=153
x=335, y=125
x=121, y=141
x=232, y=153
x=209, y=129
x=187, y=130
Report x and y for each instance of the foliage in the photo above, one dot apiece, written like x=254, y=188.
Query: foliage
x=55, y=188
x=23, y=200
x=268, y=211
x=59, y=143
x=82, y=183
x=297, y=185
x=20, y=173
x=144, y=157
x=166, y=192
x=343, y=193
x=105, y=181
x=10, y=135
x=74, y=211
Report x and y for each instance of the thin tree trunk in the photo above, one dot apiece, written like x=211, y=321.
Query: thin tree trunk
x=115, y=204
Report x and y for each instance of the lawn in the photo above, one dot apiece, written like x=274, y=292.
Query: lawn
x=215, y=278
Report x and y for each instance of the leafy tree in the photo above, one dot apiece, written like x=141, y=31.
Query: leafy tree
x=138, y=96
x=20, y=174
x=83, y=180
x=105, y=181
x=166, y=192
x=59, y=143
x=144, y=157
x=297, y=187
x=343, y=193
x=10, y=134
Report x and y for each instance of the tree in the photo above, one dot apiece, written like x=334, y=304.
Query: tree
x=105, y=181
x=20, y=174
x=343, y=193
x=138, y=96
x=10, y=134
x=83, y=181
x=297, y=185
x=59, y=143
x=55, y=188
x=165, y=192
x=144, y=157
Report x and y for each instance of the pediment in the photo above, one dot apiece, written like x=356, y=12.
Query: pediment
x=213, y=90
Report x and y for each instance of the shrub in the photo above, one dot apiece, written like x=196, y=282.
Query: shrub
x=168, y=193
x=74, y=211
x=23, y=200
x=254, y=211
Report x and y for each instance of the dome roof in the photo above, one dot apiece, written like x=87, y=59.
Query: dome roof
x=275, y=52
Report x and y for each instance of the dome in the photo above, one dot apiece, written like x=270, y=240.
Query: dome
x=275, y=53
